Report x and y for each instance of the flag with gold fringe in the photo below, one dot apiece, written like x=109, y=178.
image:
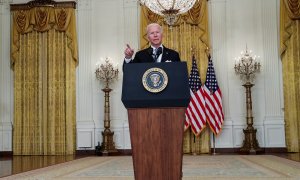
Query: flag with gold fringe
x=195, y=112
x=213, y=100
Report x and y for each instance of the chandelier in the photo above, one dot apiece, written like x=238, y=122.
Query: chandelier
x=169, y=9
x=247, y=65
x=106, y=72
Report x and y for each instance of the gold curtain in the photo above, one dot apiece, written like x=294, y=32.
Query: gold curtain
x=290, y=56
x=189, y=36
x=27, y=163
x=44, y=59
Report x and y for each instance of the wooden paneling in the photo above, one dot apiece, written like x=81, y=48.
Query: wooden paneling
x=156, y=140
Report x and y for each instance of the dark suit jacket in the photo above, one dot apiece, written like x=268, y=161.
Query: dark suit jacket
x=145, y=55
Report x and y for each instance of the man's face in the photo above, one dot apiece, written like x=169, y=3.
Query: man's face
x=154, y=35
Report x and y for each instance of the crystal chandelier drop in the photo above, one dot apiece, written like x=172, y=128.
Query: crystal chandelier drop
x=169, y=9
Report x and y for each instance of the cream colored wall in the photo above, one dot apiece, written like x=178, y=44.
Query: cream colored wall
x=235, y=24
x=105, y=26
x=6, y=79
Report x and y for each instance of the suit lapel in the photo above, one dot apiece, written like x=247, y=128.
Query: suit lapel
x=149, y=52
x=165, y=54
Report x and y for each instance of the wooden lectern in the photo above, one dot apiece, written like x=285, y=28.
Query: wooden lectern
x=156, y=120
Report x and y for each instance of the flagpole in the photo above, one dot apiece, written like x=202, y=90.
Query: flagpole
x=214, y=113
x=194, y=145
x=214, y=145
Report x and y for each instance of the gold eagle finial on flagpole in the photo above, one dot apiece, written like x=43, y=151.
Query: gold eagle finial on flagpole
x=207, y=51
x=193, y=51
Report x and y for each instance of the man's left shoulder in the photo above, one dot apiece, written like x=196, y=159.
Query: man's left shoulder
x=171, y=55
x=171, y=51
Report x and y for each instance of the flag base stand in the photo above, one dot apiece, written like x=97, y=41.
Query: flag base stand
x=214, y=152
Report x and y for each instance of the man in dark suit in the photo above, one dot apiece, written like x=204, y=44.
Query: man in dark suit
x=156, y=52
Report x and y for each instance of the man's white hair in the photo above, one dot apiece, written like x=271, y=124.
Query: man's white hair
x=153, y=24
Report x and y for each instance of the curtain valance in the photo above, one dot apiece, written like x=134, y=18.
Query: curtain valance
x=293, y=8
x=42, y=19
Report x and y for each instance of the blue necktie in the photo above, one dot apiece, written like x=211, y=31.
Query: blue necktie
x=156, y=54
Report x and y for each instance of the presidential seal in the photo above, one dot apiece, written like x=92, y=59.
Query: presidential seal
x=155, y=80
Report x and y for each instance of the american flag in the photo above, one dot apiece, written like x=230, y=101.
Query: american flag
x=195, y=112
x=213, y=100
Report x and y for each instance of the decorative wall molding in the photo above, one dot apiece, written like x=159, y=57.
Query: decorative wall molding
x=225, y=140
x=131, y=25
x=88, y=136
x=84, y=5
x=274, y=131
x=276, y=120
x=84, y=73
x=85, y=135
x=274, y=136
x=232, y=136
x=217, y=1
x=271, y=60
x=126, y=136
x=6, y=80
x=6, y=138
x=131, y=3
x=6, y=2
x=85, y=139
x=238, y=136
x=4, y=9
x=7, y=126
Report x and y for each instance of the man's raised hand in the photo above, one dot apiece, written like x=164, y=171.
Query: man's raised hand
x=128, y=52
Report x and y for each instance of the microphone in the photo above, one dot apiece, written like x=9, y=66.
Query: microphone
x=150, y=51
x=159, y=51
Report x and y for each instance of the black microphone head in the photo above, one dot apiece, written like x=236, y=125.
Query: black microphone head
x=159, y=51
x=150, y=51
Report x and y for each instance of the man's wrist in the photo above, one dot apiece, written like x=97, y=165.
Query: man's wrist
x=127, y=60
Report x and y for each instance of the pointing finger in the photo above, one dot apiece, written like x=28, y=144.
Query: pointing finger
x=129, y=48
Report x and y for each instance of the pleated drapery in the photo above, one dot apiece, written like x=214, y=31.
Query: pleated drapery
x=290, y=56
x=44, y=58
